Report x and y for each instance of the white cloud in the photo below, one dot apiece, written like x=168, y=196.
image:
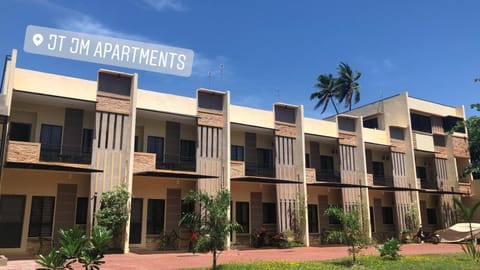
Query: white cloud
x=86, y=24
x=387, y=63
x=161, y=5
x=202, y=65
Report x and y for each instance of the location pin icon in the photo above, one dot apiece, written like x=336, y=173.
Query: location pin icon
x=37, y=39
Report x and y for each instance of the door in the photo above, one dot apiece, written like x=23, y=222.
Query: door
x=12, y=208
x=51, y=140
x=136, y=221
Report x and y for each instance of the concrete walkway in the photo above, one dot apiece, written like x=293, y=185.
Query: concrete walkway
x=144, y=260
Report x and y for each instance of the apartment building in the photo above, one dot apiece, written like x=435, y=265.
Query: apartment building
x=66, y=140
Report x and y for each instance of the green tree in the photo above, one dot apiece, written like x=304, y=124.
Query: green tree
x=348, y=85
x=353, y=233
x=328, y=90
x=212, y=221
x=113, y=213
x=468, y=213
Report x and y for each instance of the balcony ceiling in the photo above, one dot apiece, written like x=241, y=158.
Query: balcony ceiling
x=52, y=101
x=235, y=127
x=173, y=174
x=182, y=119
x=264, y=180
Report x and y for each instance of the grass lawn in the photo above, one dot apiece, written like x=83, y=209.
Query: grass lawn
x=434, y=262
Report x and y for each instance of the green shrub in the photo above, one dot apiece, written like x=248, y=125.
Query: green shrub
x=390, y=249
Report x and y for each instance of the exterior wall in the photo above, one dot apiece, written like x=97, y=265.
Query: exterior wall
x=38, y=183
x=219, y=125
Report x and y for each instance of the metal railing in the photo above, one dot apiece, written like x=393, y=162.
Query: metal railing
x=328, y=175
x=382, y=180
x=64, y=154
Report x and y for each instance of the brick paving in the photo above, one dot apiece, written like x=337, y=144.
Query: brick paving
x=149, y=260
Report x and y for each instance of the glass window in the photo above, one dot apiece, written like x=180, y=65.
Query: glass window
x=387, y=215
x=242, y=216
x=87, y=140
x=237, y=152
x=155, y=216
x=20, y=132
x=269, y=213
x=371, y=123
x=439, y=140
x=422, y=173
x=312, y=218
x=41, y=216
x=187, y=150
x=397, y=133
x=135, y=144
x=82, y=210
x=421, y=123
x=155, y=145
x=307, y=160
x=449, y=123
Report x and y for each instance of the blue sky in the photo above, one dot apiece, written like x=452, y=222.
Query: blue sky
x=274, y=50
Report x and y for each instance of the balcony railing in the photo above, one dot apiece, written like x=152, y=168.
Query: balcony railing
x=328, y=175
x=427, y=183
x=181, y=166
x=64, y=154
x=382, y=180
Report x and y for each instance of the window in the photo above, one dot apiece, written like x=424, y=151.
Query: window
x=378, y=170
x=41, y=216
x=431, y=216
x=449, y=123
x=187, y=150
x=312, y=218
x=421, y=123
x=371, y=123
x=264, y=158
x=155, y=216
x=87, y=140
x=269, y=213
x=397, y=133
x=82, y=210
x=155, y=145
x=237, y=152
x=326, y=163
x=387, y=215
x=20, y=132
x=243, y=216
x=51, y=142
x=439, y=140
x=346, y=124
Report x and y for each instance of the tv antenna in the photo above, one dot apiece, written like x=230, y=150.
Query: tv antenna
x=210, y=78
x=277, y=94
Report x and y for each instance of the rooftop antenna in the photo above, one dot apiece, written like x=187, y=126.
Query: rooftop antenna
x=380, y=106
x=210, y=75
x=221, y=67
x=277, y=94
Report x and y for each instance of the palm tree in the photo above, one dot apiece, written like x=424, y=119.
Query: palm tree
x=328, y=89
x=348, y=85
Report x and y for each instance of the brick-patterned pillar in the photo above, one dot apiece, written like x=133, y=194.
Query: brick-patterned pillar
x=447, y=216
x=211, y=137
x=112, y=149
x=402, y=198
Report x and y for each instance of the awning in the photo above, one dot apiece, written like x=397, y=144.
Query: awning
x=385, y=188
x=173, y=174
x=264, y=180
x=54, y=166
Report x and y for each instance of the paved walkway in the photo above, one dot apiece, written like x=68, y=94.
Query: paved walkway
x=144, y=260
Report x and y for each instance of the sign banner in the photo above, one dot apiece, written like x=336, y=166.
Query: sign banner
x=108, y=51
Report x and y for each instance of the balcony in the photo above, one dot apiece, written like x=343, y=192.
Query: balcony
x=423, y=142
x=382, y=180
x=376, y=136
x=464, y=188
x=33, y=152
x=237, y=168
x=328, y=175
x=148, y=162
x=427, y=183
